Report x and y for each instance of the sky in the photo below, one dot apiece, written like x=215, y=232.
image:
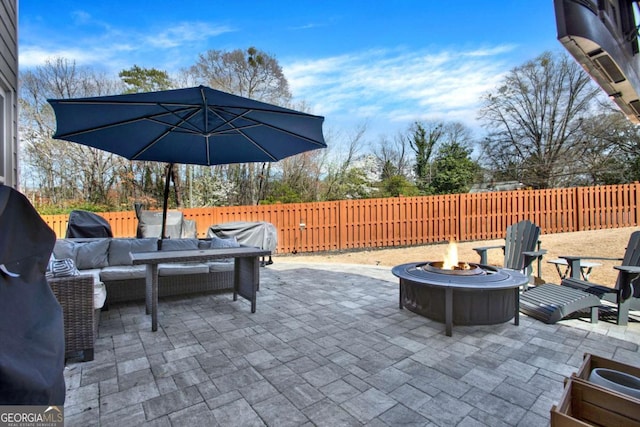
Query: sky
x=383, y=64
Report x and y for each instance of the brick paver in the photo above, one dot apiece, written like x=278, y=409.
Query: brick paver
x=327, y=346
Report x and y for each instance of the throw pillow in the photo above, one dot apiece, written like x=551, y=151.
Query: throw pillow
x=62, y=268
x=49, y=272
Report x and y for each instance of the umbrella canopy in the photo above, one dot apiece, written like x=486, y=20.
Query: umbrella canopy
x=198, y=125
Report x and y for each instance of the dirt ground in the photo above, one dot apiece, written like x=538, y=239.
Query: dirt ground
x=609, y=243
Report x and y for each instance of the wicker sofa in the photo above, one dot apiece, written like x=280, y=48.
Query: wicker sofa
x=105, y=263
x=76, y=296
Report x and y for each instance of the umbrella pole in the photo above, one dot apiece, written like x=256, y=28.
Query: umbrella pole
x=164, y=206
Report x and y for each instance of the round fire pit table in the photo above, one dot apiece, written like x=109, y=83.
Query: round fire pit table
x=474, y=295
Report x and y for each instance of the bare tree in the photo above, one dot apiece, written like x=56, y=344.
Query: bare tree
x=533, y=119
x=254, y=74
x=339, y=173
x=393, y=156
x=63, y=170
x=251, y=73
x=297, y=178
x=611, y=149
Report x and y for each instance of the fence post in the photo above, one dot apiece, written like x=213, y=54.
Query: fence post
x=342, y=224
x=636, y=204
x=578, y=216
x=461, y=219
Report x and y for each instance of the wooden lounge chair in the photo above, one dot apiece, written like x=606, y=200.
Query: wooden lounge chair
x=551, y=303
x=521, y=248
x=625, y=294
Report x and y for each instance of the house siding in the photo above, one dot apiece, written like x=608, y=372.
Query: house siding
x=8, y=92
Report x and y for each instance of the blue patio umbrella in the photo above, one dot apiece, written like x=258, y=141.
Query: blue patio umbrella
x=198, y=125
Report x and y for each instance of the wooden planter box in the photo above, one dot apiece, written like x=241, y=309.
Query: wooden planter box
x=592, y=361
x=583, y=404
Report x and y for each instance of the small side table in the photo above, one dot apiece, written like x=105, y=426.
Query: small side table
x=585, y=267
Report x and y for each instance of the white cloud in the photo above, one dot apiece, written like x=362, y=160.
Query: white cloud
x=392, y=87
x=398, y=87
x=81, y=17
x=33, y=56
x=112, y=48
x=185, y=32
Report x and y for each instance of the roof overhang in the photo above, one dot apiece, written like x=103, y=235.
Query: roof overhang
x=605, y=42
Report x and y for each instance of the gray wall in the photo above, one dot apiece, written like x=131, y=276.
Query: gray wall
x=8, y=93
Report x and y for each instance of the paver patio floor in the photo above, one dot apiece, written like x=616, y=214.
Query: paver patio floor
x=327, y=346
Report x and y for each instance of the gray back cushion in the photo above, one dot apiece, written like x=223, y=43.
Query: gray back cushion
x=85, y=255
x=63, y=249
x=220, y=243
x=179, y=244
x=120, y=249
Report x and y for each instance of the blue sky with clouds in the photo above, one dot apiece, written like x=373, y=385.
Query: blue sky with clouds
x=387, y=63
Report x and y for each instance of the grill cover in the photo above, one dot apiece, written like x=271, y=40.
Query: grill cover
x=261, y=235
x=87, y=224
x=31, y=325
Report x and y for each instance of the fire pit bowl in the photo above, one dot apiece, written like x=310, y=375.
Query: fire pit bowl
x=473, y=294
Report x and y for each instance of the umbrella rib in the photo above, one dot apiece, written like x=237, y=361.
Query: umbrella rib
x=256, y=123
x=239, y=130
x=162, y=135
x=152, y=118
x=205, y=111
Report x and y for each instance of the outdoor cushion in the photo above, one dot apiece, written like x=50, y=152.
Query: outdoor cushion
x=120, y=250
x=64, y=249
x=61, y=268
x=86, y=255
x=120, y=272
x=92, y=254
x=218, y=266
x=224, y=243
x=99, y=290
x=220, y=243
x=99, y=294
x=179, y=244
x=175, y=269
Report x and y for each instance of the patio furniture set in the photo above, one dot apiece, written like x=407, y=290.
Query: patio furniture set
x=246, y=272
x=461, y=295
x=133, y=269
x=551, y=302
x=106, y=274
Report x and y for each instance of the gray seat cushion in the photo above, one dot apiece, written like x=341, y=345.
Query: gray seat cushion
x=123, y=272
x=218, y=266
x=180, y=269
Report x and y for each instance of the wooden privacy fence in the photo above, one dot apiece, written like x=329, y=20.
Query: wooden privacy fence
x=405, y=221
